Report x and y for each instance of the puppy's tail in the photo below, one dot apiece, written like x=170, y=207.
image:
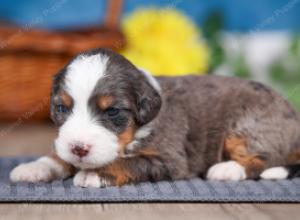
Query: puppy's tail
x=283, y=172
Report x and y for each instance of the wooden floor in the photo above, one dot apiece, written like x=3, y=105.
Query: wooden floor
x=149, y=211
x=17, y=140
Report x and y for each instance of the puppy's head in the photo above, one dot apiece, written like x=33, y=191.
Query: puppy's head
x=100, y=100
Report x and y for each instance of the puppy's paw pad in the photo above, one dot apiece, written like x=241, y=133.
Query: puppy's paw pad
x=32, y=172
x=229, y=170
x=90, y=179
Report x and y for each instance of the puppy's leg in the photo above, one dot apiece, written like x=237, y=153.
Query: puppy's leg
x=44, y=169
x=241, y=164
x=290, y=170
x=125, y=170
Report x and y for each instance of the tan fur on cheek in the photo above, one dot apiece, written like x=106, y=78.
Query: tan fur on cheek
x=126, y=137
x=236, y=149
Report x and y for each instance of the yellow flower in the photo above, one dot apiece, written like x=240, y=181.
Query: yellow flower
x=164, y=42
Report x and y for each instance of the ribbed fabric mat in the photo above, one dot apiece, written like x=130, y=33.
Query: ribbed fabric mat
x=194, y=190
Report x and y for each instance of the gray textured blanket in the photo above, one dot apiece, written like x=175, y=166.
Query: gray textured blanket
x=195, y=190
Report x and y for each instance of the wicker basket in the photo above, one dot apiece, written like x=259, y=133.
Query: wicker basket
x=29, y=59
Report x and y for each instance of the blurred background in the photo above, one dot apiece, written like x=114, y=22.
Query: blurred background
x=257, y=39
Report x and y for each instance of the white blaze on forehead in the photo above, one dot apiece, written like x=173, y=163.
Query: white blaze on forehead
x=83, y=75
x=80, y=81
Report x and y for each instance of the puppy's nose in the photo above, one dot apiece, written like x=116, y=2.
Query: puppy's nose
x=80, y=149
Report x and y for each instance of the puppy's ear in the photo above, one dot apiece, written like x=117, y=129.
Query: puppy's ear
x=148, y=98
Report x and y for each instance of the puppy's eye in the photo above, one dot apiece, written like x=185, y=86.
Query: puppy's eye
x=112, y=112
x=62, y=109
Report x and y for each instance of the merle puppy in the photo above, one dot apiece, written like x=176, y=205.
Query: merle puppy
x=119, y=125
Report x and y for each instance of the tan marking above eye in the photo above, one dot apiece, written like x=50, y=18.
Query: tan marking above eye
x=105, y=101
x=66, y=99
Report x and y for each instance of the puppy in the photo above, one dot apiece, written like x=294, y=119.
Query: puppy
x=119, y=125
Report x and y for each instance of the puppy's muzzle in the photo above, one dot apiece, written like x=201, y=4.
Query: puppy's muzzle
x=80, y=149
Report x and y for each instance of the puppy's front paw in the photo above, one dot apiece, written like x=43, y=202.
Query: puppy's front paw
x=90, y=179
x=44, y=169
x=229, y=170
x=32, y=172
